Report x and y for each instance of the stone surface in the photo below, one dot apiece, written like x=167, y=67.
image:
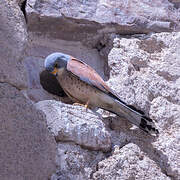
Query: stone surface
x=105, y=16
x=168, y=115
x=27, y=150
x=73, y=162
x=13, y=38
x=129, y=162
x=145, y=72
x=74, y=124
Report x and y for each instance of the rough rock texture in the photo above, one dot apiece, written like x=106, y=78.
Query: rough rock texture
x=13, y=38
x=75, y=163
x=129, y=162
x=72, y=123
x=105, y=16
x=146, y=73
x=27, y=150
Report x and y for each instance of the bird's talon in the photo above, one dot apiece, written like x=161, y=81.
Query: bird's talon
x=86, y=106
x=78, y=104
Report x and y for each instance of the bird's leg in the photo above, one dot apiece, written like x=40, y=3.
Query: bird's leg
x=78, y=104
x=84, y=105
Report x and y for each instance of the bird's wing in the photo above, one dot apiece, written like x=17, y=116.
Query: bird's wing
x=87, y=74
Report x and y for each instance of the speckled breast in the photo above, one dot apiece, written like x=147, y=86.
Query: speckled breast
x=76, y=89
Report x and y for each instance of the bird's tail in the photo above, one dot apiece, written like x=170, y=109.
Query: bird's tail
x=113, y=104
x=135, y=116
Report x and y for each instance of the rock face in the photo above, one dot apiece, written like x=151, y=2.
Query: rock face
x=69, y=123
x=129, y=162
x=85, y=29
x=91, y=17
x=13, y=37
x=146, y=74
x=144, y=69
x=27, y=148
x=73, y=162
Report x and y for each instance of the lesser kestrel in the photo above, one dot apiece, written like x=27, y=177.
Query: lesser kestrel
x=83, y=85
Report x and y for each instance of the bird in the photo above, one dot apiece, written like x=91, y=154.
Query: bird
x=83, y=85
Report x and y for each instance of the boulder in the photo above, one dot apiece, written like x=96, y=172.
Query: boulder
x=73, y=162
x=99, y=17
x=129, y=162
x=145, y=72
x=27, y=148
x=13, y=38
x=75, y=124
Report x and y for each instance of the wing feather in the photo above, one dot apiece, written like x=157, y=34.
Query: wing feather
x=87, y=74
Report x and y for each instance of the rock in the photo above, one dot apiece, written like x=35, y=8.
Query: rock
x=100, y=17
x=13, y=38
x=176, y=3
x=168, y=115
x=27, y=148
x=145, y=72
x=74, y=124
x=73, y=162
x=138, y=66
x=129, y=162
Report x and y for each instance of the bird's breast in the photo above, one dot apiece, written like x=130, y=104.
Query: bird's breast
x=76, y=89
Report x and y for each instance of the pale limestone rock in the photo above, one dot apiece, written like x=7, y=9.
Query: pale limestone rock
x=105, y=16
x=129, y=162
x=74, y=123
x=84, y=29
x=146, y=73
x=168, y=116
x=73, y=162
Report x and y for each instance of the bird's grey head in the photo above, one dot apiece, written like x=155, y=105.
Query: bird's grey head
x=56, y=61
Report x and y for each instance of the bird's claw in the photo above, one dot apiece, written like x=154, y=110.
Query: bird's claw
x=79, y=104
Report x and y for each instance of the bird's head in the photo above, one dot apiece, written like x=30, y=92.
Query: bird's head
x=56, y=61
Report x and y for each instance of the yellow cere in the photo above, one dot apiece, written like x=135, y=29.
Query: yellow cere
x=54, y=71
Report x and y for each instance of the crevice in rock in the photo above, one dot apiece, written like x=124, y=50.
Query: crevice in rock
x=99, y=46
x=96, y=169
x=19, y=89
x=49, y=83
x=22, y=6
x=176, y=3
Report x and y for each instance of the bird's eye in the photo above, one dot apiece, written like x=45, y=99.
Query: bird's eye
x=56, y=65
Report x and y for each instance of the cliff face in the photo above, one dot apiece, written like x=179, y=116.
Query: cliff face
x=132, y=44
x=27, y=150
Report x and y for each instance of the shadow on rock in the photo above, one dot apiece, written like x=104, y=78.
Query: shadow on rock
x=123, y=135
x=145, y=143
x=50, y=84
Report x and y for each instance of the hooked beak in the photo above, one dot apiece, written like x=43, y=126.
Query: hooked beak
x=55, y=71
